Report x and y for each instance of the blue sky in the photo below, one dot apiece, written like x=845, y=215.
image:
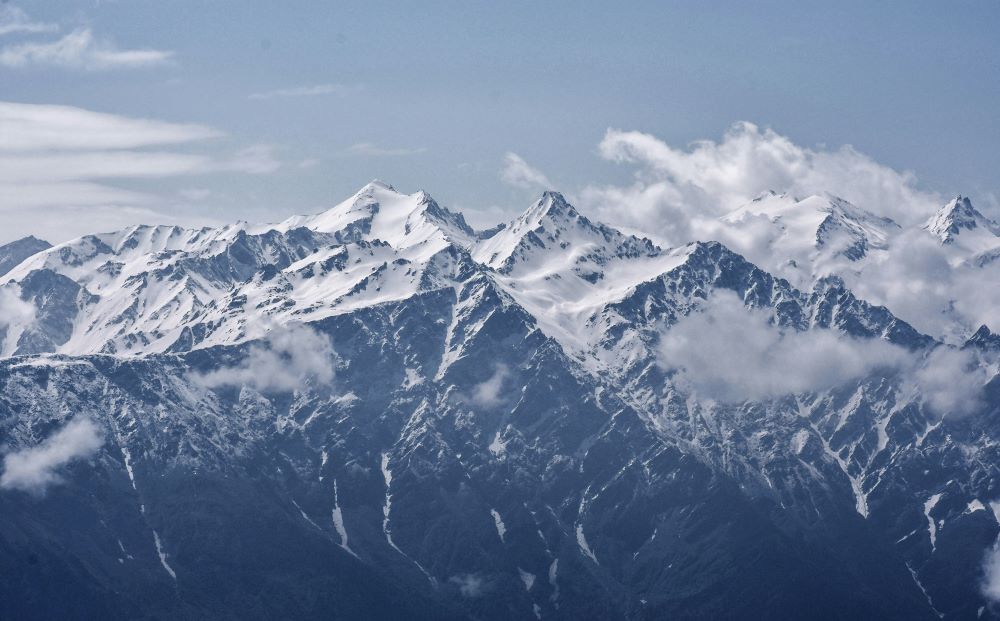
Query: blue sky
x=433, y=95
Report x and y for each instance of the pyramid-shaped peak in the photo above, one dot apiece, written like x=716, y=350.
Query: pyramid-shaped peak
x=959, y=215
x=550, y=205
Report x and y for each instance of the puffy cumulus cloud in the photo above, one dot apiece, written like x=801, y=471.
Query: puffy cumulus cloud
x=35, y=469
x=730, y=353
x=678, y=191
x=520, y=174
x=80, y=49
x=681, y=194
x=288, y=358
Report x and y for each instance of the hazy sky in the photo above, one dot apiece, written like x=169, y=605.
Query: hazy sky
x=299, y=104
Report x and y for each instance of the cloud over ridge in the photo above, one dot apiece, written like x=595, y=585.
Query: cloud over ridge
x=35, y=469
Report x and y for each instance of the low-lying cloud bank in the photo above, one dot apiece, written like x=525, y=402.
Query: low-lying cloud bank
x=729, y=353
x=287, y=359
x=35, y=469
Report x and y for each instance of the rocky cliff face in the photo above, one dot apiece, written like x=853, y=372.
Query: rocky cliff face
x=378, y=413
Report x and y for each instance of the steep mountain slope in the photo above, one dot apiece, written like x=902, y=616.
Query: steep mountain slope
x=501, y=438
x=16, y=251
x=153, y=289
x=962, y=227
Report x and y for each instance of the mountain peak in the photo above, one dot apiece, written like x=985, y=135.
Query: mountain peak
x=548, y=215
x=765, y=195
x=15, y=252
x=378, y=211
x=959, y=215
x=550, y=205
x=821, y=226
x=376, y=184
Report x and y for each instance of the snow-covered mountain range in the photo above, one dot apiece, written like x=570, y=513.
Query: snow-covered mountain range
x=379, y=412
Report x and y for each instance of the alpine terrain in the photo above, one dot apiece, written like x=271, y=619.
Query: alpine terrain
x=378, y=412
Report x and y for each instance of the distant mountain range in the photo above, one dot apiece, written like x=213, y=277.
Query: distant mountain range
x=377, y=412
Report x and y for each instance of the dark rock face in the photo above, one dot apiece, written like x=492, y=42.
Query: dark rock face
x=555, y=493
x=16, y=251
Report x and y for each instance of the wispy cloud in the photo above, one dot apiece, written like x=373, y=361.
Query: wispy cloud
x=13, y=20
x=469, y=585
x=34, y=127
x=256, y=159
x=195, y=194
x=35, y=469
x=80, y=50
x=487, y=394
x=369, y=149
x=63, y=160
x=305, y=91
x=520, y=174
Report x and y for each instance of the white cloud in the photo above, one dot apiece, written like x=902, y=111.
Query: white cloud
x=719, y=177
x=195, y=194
x=678, y=193
x=13, y=310
x=14, y=20
x=80, y=50
x=55, y=223
x=368, y=149
x=36, y=127
x=256, y=159
x=991, y=567
x=951, y=382
x=726, y=352
x=285, y=360
x=487, y=394
x=917, y=281
x=518, y=173
x=57, y=163
x=305, y=91
x=731, y=353
x=33, y=168
x=34, y=469
x=469, y=585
